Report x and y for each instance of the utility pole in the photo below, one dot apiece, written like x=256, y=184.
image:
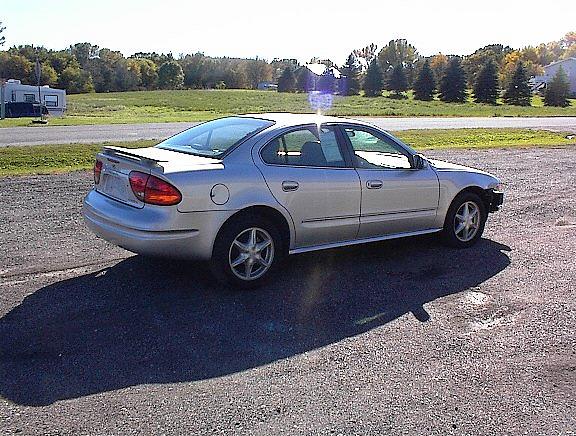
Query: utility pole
x=38, y=71
x=2, y=101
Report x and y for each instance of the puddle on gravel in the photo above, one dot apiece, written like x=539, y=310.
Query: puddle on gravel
x=493, y=321
x=482, y=312
x=476, y=298
x=565, y=223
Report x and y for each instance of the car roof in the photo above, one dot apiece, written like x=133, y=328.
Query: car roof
x=290, y=119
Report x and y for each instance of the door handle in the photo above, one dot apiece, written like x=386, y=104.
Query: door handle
x=374, y=184
x=289, y=185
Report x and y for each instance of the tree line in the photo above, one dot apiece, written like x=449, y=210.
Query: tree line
x=85, y=67
x=490, y=72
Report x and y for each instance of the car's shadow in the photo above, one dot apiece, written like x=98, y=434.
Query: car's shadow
x=149, y=321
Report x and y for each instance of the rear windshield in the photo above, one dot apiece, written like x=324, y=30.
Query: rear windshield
x=214, y=138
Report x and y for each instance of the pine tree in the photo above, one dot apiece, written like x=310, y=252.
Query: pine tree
x=287, y=81
x=397, y=81
x=453, y=83
x=302, y=79
x=326, y=83
x=351, y=72
x=486, y=88
x=558, y=90
x=373, y=82
x=518, y=91
x=425, y=84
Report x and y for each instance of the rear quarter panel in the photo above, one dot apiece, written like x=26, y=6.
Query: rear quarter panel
x=237, y=175
x=240, y=178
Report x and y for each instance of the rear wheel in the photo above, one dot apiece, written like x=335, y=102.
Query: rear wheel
x=465, y=220
x=246, y=252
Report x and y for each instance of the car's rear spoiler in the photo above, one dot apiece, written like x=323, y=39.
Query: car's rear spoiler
x=127, y=153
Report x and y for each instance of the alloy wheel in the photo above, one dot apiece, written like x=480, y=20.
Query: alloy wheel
x=251, y=253
x=467, y=221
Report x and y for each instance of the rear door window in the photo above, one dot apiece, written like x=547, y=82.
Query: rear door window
x=308, y=147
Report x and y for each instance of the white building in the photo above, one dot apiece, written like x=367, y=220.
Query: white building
x=53, y=99
x=321, y=69
x=569, y=67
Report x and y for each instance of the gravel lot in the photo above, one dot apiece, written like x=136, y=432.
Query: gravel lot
x=404, y=337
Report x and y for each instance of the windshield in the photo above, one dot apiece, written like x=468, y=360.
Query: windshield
x=214, y=138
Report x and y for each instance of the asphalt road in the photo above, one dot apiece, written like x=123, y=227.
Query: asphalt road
x=131, y=132
x=404, y=337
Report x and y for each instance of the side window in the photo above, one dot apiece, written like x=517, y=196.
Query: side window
x=376, y=153
x=51, y=100
x=309, y=147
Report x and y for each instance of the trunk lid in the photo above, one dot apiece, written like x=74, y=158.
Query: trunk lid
x=118, y=162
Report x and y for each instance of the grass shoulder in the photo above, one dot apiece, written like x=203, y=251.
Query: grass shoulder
x=484, y=138
x=52, y=159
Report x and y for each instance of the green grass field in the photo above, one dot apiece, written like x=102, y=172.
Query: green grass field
x=201, y=105
x=48, y=159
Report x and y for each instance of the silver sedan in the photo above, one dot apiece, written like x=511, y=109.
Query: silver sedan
x=241, y=192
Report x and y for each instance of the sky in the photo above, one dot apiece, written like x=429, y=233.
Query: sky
x=298, y=29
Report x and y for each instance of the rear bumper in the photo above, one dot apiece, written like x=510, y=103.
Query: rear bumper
x=165, y=243
x=156, y=231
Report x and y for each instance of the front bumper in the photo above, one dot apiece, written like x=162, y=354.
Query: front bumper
x=495, y=200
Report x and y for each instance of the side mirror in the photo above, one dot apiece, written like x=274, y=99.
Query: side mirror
x=418, y=162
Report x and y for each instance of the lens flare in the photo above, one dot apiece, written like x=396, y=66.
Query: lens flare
x=320, y=101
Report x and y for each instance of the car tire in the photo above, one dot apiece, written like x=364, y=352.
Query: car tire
x=465, y=221
x=246, y=252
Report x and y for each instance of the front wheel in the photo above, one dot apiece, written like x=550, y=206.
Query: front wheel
x=246, y=252
x=465, y=220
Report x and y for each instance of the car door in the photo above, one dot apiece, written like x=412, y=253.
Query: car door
x=308, y=174
x=396, y=198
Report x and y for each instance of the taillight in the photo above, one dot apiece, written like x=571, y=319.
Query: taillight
x=138, y=182
x=160, y=192
x=97, y=171
x=152, y=190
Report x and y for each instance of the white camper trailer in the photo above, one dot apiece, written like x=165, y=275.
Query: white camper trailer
x=53, y=99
